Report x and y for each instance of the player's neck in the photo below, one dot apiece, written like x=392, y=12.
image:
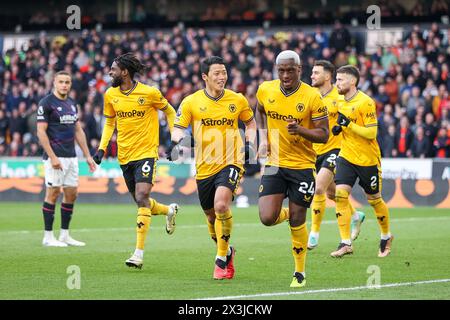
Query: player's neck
x=126, y=85
x=59, y=96
x=325, y=89
x=351, y=93
x=213, y=93
x=293, y=88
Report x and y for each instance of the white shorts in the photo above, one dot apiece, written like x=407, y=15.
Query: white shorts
x=67, y=177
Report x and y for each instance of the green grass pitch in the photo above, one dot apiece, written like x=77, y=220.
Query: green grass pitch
x=180, y=266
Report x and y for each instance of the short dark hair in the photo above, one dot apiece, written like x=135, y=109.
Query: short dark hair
x=326, y=65
x=206, y=63
x=130, y=62
x=62, y=73
x=349, y=69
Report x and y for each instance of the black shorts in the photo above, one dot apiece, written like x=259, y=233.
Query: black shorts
x=347, y=173
x=296, y=184
x=327, y=160
x=139, y=171
x=229, y=177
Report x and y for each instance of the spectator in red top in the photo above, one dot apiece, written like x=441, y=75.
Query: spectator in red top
x=442, y=144
x=404, y=138
x=100, y=84
x=176, y=89
x=391, y=89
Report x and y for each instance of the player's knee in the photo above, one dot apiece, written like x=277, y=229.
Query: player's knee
x=52, y=195
x=221, y=206
x=267, y=218
x=70, y=198
x=142, y=198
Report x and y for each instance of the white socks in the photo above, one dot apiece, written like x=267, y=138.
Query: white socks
x=139, y=253
x=385, y=236
x=64, y=233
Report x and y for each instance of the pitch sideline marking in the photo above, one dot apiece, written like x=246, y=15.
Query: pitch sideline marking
x=275, y=294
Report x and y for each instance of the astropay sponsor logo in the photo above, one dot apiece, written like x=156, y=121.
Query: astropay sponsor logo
x=277, y=116
x=130, y=114
x=219, y=122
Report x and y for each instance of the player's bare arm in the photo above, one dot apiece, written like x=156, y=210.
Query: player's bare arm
x=319, y=134
x=45, y=142
x=80, y=138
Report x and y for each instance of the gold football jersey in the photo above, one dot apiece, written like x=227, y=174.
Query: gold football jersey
x=218, y=142
x=330, y=100
x=361, y=110
x=136, y=113
x=303, y=105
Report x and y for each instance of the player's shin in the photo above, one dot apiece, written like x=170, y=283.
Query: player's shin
x=66, y=215
x=382, y=213
x=143, y=224
x=299, y=236
x=343, y=215
x=223, y=226
x=48, y=211
x=211, y=230
x=317, y=212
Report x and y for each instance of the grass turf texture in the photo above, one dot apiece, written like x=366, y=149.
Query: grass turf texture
x=180, y=266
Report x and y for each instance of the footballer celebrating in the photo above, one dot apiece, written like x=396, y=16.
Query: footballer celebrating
x=214, y=113
x=359, y=157
x=291, y=117
x=321, y=78
x=134, y=106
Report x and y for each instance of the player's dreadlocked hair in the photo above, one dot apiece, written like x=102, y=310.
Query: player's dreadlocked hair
x=131, y=63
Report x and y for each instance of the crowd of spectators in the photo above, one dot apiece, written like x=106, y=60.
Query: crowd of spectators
x=409, y=80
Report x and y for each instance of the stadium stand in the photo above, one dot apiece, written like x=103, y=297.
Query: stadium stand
x=409, y=80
